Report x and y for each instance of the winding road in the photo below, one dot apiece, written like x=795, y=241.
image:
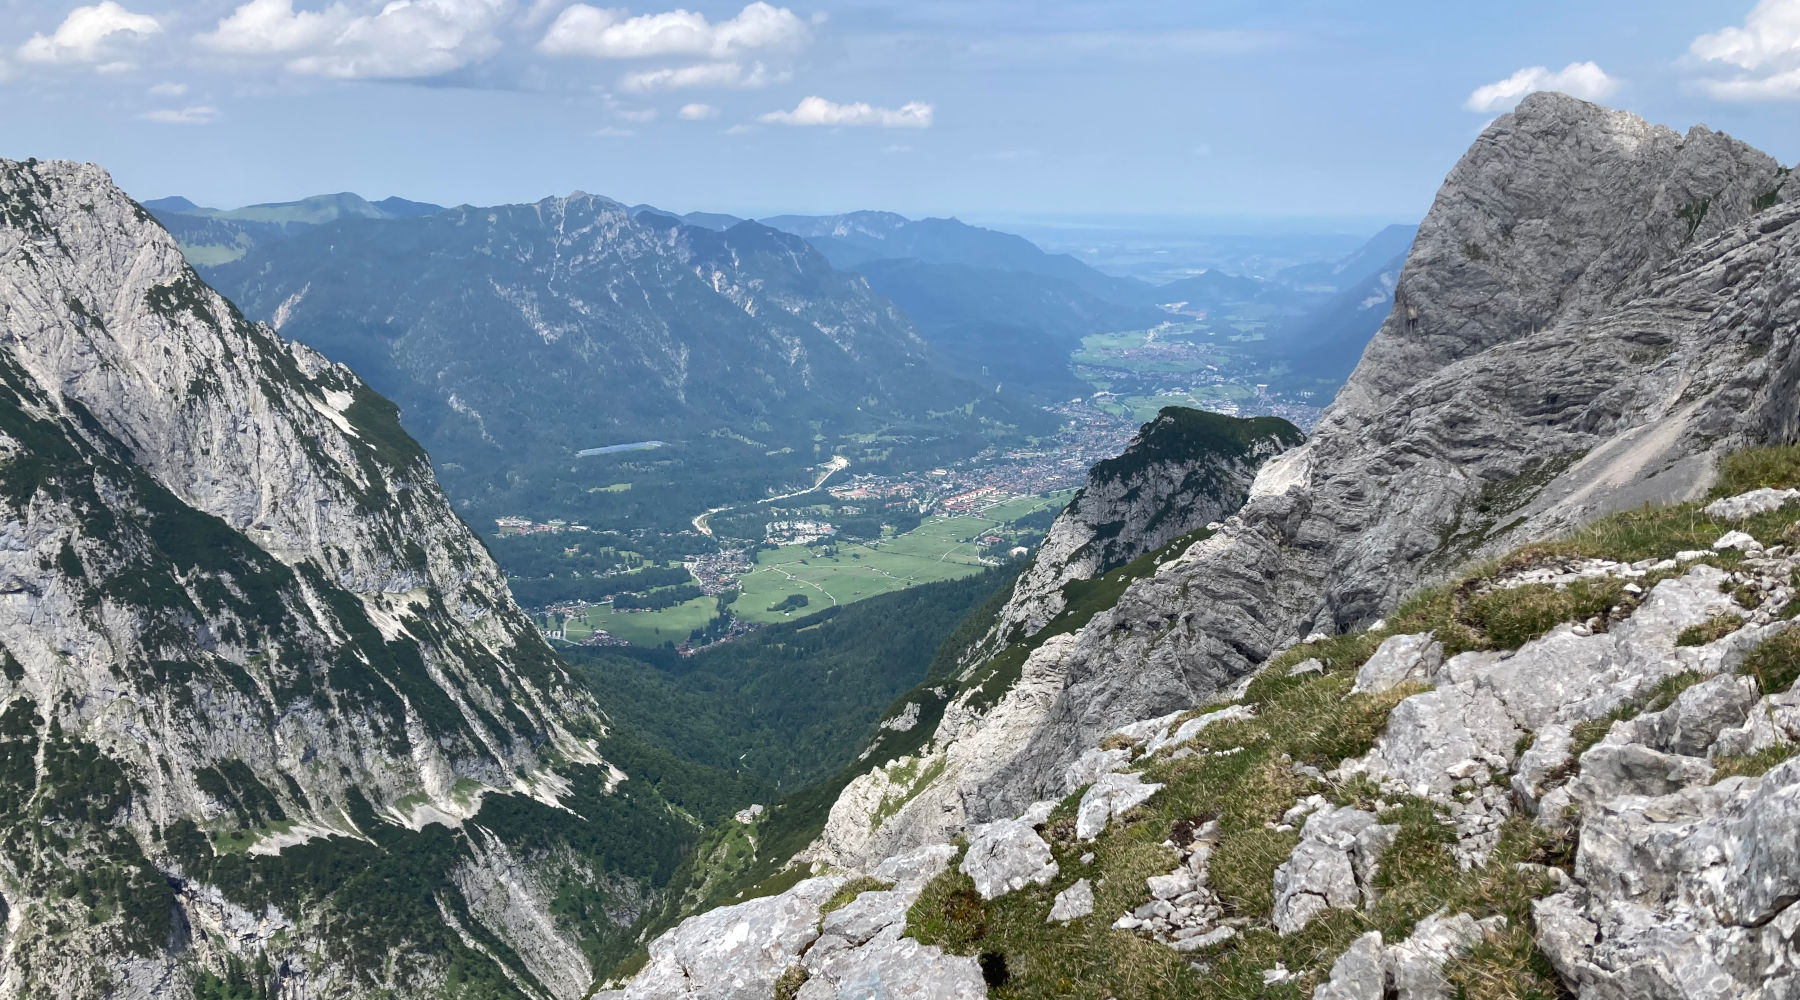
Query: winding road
x=837, y=464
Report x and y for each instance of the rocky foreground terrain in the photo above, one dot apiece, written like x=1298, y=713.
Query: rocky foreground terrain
x=1485, y=691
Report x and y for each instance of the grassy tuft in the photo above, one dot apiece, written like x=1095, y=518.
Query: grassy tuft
x=787, y=987
x=848, y=892
x=1775, y=662
x=1711, y=630
x=1753, y=764
x=1512, y=617
x=1776, y=468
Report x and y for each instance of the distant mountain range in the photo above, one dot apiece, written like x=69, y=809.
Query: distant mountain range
x=1385, y=251
x=514, y=337
x=623, y=322
x=211, y=236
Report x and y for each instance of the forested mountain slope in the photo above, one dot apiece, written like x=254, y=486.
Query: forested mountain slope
x=270, y=723
x=742, y=351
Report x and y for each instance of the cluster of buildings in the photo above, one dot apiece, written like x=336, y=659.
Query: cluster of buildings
x=718, y=572
x=526, y=526
x=798, y=532
x=874, y=488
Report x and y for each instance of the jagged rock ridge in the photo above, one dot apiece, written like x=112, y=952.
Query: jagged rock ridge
x=250, y=652
x=1184, y=470
x=1595, y=311
x=1592, y=311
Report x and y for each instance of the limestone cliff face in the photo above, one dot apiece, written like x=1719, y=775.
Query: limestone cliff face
x=243, y=633
x=1184, y=470
x=1594, y=309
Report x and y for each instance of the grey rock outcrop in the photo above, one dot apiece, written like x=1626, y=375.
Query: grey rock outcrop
x=1007, y=855
x=1686, y=895
x=1399, y=660
x=1747, y=505
x=856, y=952
x=1409, y=970
x=1637, y=280
x=1073, y=903
x=1185, y=469
x=1109, y=798
x=1333, y=866
x=1360, y=973
x=238, y=612
x=1485, y=702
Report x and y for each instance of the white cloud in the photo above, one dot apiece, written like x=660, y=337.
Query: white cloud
x=599, y=33
x=1585, y=80
x=1758, y=61
x=273, y=27
x=405, y=39
x=819, y=111
x=89, y=34
x=698, y=112
x=539, y=10
x=711, y=74
x=614, y=132
x=181, y=116
x=637, y=114
x=169, y=90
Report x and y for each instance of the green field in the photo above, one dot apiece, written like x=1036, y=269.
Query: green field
x=1106, y=350
x=933, y=551
x=936, y=550
x=1143, y=408
x=646, y=628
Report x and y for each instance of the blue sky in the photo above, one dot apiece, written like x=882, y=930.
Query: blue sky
x=993, y=109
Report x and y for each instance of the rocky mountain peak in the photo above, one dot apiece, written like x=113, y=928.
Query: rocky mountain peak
x=1479, y=689
x=1559, y=211
x=249, y=651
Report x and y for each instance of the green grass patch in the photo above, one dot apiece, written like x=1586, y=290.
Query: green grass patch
x=787, y=985
x=848, y=892
x=1711, y=630
x=1775, y=662
x=1775, y=468
x=1513, y=616
x=1753, y=764
x=645, y=628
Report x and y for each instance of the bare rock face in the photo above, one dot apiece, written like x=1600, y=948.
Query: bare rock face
x=1685, y=895
x=1595, y=309
x=1333, y=866
x=1006, y=855
x=240, y=622
x=1184, y=470
x=856, y=952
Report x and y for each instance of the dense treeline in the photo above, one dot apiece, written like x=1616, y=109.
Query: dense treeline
x=656, y=600
x=536, y=593
x=790, y=703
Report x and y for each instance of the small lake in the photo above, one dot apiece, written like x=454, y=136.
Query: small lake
x=613, y=449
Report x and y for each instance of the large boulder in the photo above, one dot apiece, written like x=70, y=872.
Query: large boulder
x=1333, y=866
